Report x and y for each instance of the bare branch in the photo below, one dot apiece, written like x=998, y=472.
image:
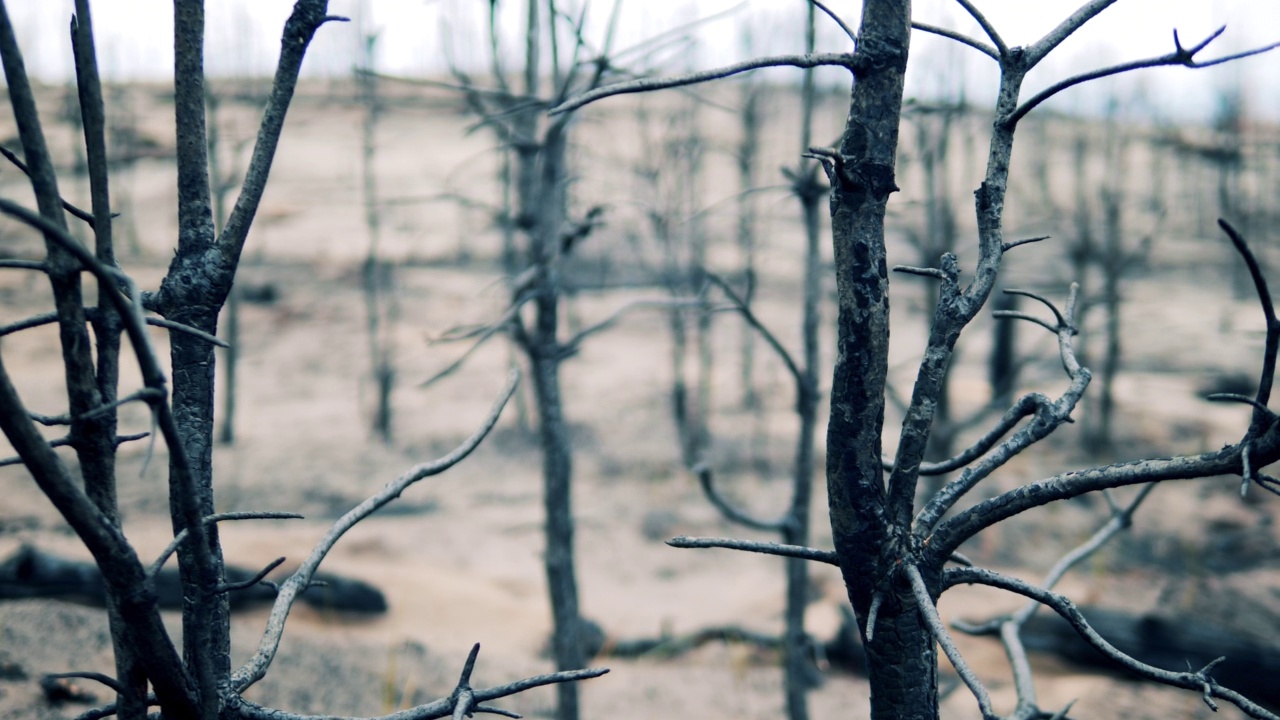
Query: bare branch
x=1019, y=315
x=1049, y=416
x=97, y=677
x=940, y=634
x=1272, y=342
x=650, y=84
x=987, y=27
x=1009, y=628
x=299, y=29
x=848, y=31
x=259, y=577
x=219, y=517
x=120, y=566
x=187, y=329
x=961, y=38
x=1064, y=30
x=466, y=87
x=1243, y=399
x=949, y=316
x=1025, y=241
x=1199, y=681
x=90, y=313
x=11, y=264
x=933, y=273
x=12, y=157
x=674, y=304
x=1121, y=519
x=951, y=533
x=66, y=442
x=248, y=710
x=1180, y=56
x=768, y=548
x=147, y=395
x=731, y=512
x=1026, y=405
x=31, y=322
x=257, y=666
x=770, y=339
x=1062, y=321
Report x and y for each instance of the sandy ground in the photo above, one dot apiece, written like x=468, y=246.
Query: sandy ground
x=460, y=560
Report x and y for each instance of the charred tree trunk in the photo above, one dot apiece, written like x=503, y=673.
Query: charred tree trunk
x=871, y=528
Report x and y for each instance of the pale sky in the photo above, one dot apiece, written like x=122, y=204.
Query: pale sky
x=421, y=36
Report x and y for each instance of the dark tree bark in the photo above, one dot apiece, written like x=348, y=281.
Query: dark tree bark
x=198, y=684
x=870, y=527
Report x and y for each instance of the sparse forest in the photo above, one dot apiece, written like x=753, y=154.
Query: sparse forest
x=551, y=353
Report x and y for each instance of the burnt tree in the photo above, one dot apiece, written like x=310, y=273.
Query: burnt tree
x=893, y=553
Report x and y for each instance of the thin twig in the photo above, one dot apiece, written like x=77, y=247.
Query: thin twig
x=939, y=630
x=90, y=313
x=187, y=329
x=256, y=667
x=77, y=212
x=1026, y=405
x=66, y=442
x=848, y=31
x=650, y=84
x=770, y=339
x=1180, y=56
x=933, y=273
x=768, y=548
x=673, y=304
x=1062, y=321
x=97, y=677
x=1065, y=29
x=728, y=509
x=1049, y=416
x=31, y=322
x=12, y=264
x=482, y=336
x=961, y=38
x=987, y=27
x=1272, y=343
x=249, y=710
x=146, y=395
x=1198, y=681
x=259, y=577
x=1025, y=241
x=1019, y=315
x=218, y=517
x=873, y=614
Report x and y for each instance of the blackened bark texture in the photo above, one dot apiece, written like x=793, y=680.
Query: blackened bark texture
x=100, y=445
x=871, y=536
x=192, y=293
x=134, y=595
